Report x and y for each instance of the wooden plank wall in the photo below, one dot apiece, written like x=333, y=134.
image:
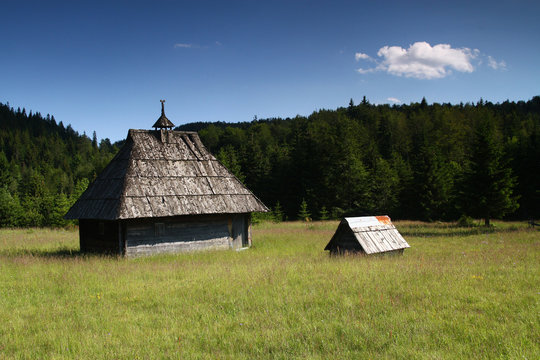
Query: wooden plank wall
x=345, y=241
x=178, y=234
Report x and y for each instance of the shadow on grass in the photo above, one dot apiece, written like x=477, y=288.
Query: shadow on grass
x=55, y=254
x=453, y=231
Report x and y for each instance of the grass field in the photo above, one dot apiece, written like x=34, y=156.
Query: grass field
x=456, y=293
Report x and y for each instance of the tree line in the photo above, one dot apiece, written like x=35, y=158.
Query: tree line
x=415, y=161
x=44, y=167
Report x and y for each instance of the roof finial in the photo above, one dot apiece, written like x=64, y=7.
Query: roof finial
x=163, y=122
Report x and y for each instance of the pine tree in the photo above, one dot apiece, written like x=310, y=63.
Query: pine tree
x=228, y=157
x=384, y=187
x=304, y=214
x=80, y=187
x=277, y=213
x=4, y=170
x=11, y=212
x=489, y=183
x=324, y=213
x=364, y=100
x=31, y=208
x=60, y=208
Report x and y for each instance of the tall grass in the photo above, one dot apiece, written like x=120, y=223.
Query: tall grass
x=456, y=293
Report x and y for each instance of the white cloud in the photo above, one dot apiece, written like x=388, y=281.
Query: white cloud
x=394, y=100
x=361, y=56
x=422, y=61
x=425, y=62
x=366, y=71
x=180, y=45
x=495, y=65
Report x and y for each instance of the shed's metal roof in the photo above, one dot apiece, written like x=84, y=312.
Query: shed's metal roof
x=163, y=173
x=375, y=234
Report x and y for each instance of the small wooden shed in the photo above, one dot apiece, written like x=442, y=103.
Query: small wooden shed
x=164, y=192
x=368, y=235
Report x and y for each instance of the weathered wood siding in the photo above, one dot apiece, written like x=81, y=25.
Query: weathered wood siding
x=345, y=242
x=185, y=233
x=378, y=239
x=99, y=236
x=240, y=233
x=367, y=234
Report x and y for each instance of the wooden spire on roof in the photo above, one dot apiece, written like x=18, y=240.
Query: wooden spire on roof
x=163, y=122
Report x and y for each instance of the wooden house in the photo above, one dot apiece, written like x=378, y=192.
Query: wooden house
x=367, y=235
x=164, y=192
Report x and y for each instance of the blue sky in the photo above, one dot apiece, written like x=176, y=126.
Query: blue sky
x=104, y=66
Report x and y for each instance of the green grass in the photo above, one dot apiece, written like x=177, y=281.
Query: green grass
x=456, y=293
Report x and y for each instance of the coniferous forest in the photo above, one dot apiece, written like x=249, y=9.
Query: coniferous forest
x=416, y=161
x=44, y=167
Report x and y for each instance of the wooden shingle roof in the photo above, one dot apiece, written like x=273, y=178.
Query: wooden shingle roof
x=374, y=234
x=163, y=173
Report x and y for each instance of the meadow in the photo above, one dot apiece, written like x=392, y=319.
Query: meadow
x=456, y=293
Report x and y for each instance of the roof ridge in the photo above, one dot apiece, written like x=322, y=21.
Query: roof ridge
x=171, y=131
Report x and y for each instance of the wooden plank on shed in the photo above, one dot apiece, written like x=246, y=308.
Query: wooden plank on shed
x=375, y=234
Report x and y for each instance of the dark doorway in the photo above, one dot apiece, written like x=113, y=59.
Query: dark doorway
x=239, y=232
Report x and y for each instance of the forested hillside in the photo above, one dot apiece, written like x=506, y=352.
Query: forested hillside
x=44, y=167
x=414, y=161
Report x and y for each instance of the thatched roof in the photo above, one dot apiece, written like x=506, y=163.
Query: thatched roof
x=163, y=173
